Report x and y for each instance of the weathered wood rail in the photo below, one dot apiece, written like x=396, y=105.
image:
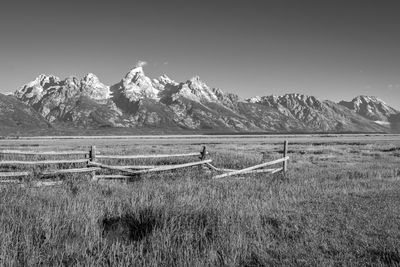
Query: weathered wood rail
x=44, y=162
x=151, y=169
x=256, y=168
x=13, y=174
x=54, y=153
x=41, y=162
x=147, y=156
x=132, y=172
x=252, y=169
x=93, y=164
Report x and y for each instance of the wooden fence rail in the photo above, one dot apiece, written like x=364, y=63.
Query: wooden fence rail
x=116, y=176
x=174, y=166
x=48, y=173
x=13, y=174
x=109, y=167
x=252, y=168
x=147, y=156
x=42, y=162
x=77, y=170
x=44, y=153
x=129, y=171
x=219, y=169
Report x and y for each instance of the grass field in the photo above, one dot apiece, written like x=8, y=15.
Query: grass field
x=339, y=204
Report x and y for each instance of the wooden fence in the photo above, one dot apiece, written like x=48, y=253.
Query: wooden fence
x=256, y=168
x=92, y=159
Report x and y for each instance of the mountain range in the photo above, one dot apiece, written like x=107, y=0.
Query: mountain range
x=139, y=102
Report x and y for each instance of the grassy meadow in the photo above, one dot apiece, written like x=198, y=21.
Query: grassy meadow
x=338, y=205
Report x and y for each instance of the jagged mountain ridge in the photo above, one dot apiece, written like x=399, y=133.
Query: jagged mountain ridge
x=16, y=116
x=56, y=100
x=372, y=108
x=138, y=101
x=314, y=114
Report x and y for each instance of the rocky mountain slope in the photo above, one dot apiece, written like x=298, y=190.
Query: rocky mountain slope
x=316, y=115
x=138, y=101
x=81, y=102
x=371, y=107
x=19, y=117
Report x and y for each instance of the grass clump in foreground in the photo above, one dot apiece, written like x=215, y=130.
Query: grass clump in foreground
x=254, y=222
x=341, y=211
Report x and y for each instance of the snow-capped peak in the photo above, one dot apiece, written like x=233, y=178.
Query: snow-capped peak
x=35, y=89
x=254, y=99
x=92, y=87
x=41, y=80
x=368, y=99
x=196, y=83
x=90, y=77
x=370, y=107
x=137, y=70
x=197, y=90
x=162, y=82
x=164, y=79
x=136, y=84
x=134, y=72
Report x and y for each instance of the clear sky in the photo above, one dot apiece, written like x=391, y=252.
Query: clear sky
x=330, y=49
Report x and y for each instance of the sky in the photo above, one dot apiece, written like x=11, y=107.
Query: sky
x=333, y=50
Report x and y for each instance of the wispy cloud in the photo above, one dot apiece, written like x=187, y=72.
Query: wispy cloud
x=141, y=63
x=393, y=86
x=160, y=64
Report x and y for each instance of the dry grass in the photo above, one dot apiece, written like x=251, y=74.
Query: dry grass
x=338, y=205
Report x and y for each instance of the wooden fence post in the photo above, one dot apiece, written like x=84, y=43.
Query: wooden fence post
x=92, y=158
x=285, y=148
x=203, y=154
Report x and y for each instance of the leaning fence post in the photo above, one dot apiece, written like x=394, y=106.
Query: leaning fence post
x=92, y=158
x=285, y=148
x=203, y=154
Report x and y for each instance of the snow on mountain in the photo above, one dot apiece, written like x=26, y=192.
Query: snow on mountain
x=370, y=107
x=92, y=87
x=198, y=89
x=139, y=101
x=316, y=115
x=136, y=85
x=54, y=98
x=162, y=81
x=33, y=91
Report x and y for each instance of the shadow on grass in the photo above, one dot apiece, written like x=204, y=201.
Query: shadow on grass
x=290, y=229
x=130, y=227
x=252, y=260
x=133, y=227
x=389, y=258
